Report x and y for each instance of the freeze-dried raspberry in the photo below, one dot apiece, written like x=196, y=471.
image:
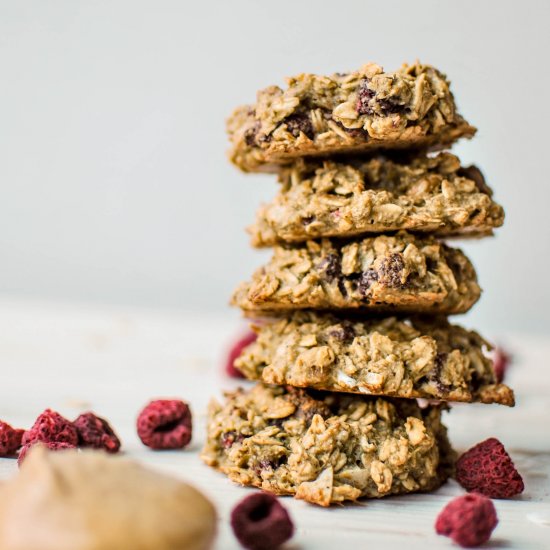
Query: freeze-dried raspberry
x=50, y=427
x=468, y=520
x=260, y=522
x=236, y=351
x=165, y=424
x=95, y=432
x=50, y=445
x=501, y=361
x=10, y=439
x=488, y=469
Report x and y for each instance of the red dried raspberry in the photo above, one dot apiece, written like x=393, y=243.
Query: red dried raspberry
x=501, y=362
x=51, y=427
x=165, y=424
x=95, y=432
x=50, y=445
x=10, y=439
x=236, y=351
x=488, y=469
x=468, y=520
x=260, y=522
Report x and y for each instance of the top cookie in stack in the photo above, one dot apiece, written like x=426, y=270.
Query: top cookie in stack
x=355, y=298
x=358, y=112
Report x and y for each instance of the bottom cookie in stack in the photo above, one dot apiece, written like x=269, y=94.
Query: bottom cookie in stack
x=327, y=447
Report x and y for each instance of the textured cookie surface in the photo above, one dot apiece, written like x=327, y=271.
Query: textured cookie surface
x=364, y=110
x=334, y=199
x=408, y=358
x=327, y=448
x=68, y=500
x=395, y=273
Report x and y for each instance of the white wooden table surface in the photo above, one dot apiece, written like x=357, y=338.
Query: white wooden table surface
x=114, y=360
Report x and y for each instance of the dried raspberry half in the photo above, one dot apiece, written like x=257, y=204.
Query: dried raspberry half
x=95, y=432
x=468, y=520
x=488, y=469
x=10, y=439
x=236, y=351
x=260, y=522
x=165, y=424
x=50, y=445
x=51, y=427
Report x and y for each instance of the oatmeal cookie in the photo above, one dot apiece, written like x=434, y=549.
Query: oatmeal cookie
x=326, y=448
x=387, y=356
x=364, y=110
x=333, y=199
x=384, y=273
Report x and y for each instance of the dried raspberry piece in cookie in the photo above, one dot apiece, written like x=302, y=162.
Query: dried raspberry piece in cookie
x=10, y=439
x=468, y=520
x=488, y=469
x=95, y=432
x=165, y=424
x=260, y=522
x=50, y=445
x=50, y=427
x=236, y=351
x=298, y=123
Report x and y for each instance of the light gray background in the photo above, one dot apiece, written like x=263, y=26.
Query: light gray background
x=115, y=186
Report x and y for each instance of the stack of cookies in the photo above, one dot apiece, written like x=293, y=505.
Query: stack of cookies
x=354, y=355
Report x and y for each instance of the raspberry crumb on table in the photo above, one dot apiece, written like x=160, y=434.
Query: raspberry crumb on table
x=236, y=351
x=10, y=439
x=501, y=362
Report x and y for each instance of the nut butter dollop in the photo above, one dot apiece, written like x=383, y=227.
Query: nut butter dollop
x=91, y=501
